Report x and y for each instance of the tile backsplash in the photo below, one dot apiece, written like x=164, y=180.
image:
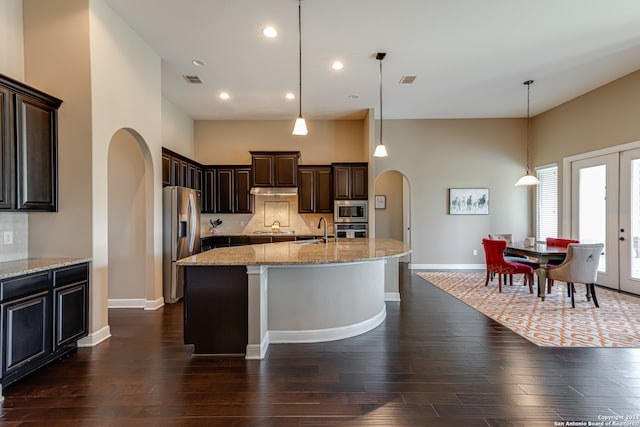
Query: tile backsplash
x=266, y=210
x=18, y=225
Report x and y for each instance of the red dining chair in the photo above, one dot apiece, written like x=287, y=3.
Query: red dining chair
x=494, y=256
x=560, y=243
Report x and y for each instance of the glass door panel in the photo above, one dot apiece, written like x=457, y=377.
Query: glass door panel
x=629, y=236
x=594, y=210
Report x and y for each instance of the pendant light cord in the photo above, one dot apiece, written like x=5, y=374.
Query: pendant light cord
x=300, y=57
x=380, y=101
x=528, y=83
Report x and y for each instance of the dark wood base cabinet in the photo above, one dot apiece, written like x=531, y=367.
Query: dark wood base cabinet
x=216, y=313
x=42, y=316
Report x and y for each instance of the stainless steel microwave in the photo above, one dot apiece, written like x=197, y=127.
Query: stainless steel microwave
x=350, y=211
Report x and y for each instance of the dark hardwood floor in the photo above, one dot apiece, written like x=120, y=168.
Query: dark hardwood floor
x=433, y=362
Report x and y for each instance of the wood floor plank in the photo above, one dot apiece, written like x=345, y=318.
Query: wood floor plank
x=433, y=362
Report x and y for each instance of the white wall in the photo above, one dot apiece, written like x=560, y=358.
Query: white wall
x=11, y=39
x=12, y=65
x=436, y=155
x=127, y=216
x=177, y=130
x=126, y=94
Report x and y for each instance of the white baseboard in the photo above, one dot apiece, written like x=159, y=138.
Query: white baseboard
x=154, y=305
x=439, y=267
x=136, y=303
x=392, y=296
x=329, y=334
x=258, y=351
x=127, y=303
x=95, y=338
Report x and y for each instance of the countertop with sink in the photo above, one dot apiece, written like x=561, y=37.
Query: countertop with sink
x=301, y=252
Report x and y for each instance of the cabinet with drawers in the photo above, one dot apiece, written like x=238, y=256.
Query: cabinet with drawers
x=43, y=314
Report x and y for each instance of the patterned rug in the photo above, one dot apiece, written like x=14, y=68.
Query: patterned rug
x=551, y=322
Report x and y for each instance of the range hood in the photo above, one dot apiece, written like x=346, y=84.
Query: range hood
x=274, y=191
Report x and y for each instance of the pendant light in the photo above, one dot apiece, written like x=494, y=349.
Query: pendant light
x=300, y=128
x=528, y=178
x=381, y=150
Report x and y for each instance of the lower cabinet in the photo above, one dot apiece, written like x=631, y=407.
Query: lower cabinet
x=43, y=315
x=71, y=296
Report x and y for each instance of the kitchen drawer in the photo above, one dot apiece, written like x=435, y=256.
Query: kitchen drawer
x=238, y=240
x=69, y=275
x=24, y=285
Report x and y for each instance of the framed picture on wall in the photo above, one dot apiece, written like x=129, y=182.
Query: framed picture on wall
x=468, y=201
x=381, y=202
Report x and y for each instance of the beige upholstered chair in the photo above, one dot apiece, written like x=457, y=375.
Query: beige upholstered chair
x=579, y=266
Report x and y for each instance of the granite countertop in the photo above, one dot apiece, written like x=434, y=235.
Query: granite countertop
x=262, y=233
x=289, y=253
x=33, y=265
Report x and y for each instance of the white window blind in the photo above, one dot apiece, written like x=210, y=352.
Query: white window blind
x=547, y=202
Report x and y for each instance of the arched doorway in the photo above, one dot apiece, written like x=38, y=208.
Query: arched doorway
x=130, y=190
x=394, y=221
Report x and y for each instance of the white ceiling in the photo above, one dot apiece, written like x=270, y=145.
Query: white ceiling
x=470, y=57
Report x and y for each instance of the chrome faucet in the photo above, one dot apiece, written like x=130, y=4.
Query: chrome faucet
x=325, y=238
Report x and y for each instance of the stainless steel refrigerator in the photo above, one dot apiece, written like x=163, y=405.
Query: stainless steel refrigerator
x=180, y=237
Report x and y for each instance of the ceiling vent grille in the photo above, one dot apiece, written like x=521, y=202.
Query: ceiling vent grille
x=192, y=79
x=407, y=80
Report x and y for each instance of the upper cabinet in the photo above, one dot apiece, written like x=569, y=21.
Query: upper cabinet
x=28, y=148
x=350, y=181
x=315, y=189
x=274, y=168
x=226, y=189
x=181, y=171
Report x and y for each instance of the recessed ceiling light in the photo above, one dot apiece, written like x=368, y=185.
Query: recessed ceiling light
x=337, y=65
x=290, y=96
x=198, y=63
x=224, y=95
x=269, y=32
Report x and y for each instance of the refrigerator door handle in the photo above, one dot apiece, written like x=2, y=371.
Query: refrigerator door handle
x=191, y=227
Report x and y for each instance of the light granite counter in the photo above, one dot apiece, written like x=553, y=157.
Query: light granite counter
x=33, y=265
x=238, y=300
x=301, y=252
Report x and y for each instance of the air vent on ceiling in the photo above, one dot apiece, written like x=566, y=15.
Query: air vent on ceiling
x=192, y=79
x=407, y=80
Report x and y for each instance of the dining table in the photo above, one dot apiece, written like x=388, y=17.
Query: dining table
x=543, y=253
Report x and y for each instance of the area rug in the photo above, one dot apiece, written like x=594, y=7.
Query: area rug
x=552, y=322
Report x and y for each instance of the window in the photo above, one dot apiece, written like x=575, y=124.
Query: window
x=547, y=202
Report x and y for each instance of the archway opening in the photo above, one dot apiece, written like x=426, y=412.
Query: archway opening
x=394, y=220
x=127, y=219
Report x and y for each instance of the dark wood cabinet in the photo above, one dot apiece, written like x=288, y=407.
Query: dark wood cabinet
x=209, y=186
x=166, y=169
x=26, y=323
x=181, y=171
x=226, y=189
x=315, y=189
x=350, y=181
x=43, y=315
x=274, y=168
x=6, y=150
x=71, y=299
x=28, y=148
x=242, y=202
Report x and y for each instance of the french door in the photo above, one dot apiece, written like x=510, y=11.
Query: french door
x=605, y=207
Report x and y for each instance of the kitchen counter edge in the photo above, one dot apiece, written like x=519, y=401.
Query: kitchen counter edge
x=356, y=250
x=21, y=267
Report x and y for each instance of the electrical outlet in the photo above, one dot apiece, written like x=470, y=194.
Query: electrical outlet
x=8, y=237
x=475, y=252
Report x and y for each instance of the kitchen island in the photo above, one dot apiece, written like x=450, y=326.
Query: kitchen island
x=238, y=300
